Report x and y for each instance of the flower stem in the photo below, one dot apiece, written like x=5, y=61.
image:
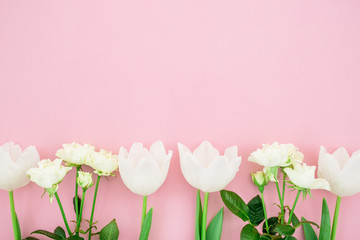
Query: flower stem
x=16, y=227
x=283, y=195
x=93, y=206
x=76, y=198
x=265, y=215
x=336, y=216
x=78, y=221
x=203, y=225
x=281, y=202
x=143, y=210
x=63, y=213
x=293, y=208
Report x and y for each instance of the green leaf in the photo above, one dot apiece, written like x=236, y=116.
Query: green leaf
x=75, y=238
x=308, y=230
x=265, y=237
x=110, y=231
x=289, y=238
x=256, y=211
x=294, y=220
x=325, y=226
x=214, y=229
x=249, y=232
x=235, y=204
x=284, y=229
x=46, y=233
x=198, y=216
x=31, y=238
x=145, y=228
x=18, y=226
x=79, y=203
x=273, y=221
x=60, y=232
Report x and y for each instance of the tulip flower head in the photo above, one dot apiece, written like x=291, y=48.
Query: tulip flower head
x=143, y=171
x=341, y=171
x=206, y=169
x=14, y=163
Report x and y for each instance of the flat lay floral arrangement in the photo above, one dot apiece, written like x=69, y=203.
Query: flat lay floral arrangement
x=144, y=170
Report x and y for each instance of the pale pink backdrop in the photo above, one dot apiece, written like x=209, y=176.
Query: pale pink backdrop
x=233, y=72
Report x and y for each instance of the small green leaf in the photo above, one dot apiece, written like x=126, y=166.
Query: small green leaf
x=256, y=211
x=31, y=238
x=214, y=229
x=294, y=220
x=235, y=204
x=265, y=237
x=60, y=232
x=18, y=226
x=46, y=233
x=284, y=229
x=289, y=238
x=273, y=221
x=198, y=216
x=145, y=228
x=110, y=231
x=79, y=203
x=308, y=230
x=325, y=226
x=75, y=238
x=249, y=232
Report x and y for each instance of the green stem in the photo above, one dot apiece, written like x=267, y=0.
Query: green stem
x=16, y=227
x=203, y=225
x=293, y=208
x=78, y=221
x=265, y=215
x=336, y=216
x=143, y=210
x=93, y=206
x=283, y=191
x=281, y=202
x=76, y=197
x=63, y=213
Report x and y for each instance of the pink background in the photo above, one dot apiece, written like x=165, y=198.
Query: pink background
x=233, y=72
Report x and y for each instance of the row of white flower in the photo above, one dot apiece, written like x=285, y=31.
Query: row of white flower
x=143, y=171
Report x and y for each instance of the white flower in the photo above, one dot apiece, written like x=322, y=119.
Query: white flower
x=103, y=162
x=14, y=163
x=205, y=169
x=84, y=180
x=341, y=171
x=75, y=153
x=276, y=155
x=49, y=173
x=303, y=176
x=143, y=171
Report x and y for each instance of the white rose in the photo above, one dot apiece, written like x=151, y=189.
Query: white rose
x=103, y=162
x=205, y=169
x=303, y=176
x=84, y=180
x=143, y=171
x=49, y=173
x=341, y=171
x=75, y=153
x=14, y=163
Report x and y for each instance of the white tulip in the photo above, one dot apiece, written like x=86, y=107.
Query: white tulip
x=103, y=162
x=276, y=155
x=143, y=171
x=205, y=169
x=341, y=171
x=14, y=163
x=84, y=179
x=75, y=153
x=49, y=173
x=303, y=176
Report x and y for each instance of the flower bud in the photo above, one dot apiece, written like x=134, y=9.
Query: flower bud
x=260, y=179
x=84, y=180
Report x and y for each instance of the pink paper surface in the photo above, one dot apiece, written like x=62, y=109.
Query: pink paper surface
x=232, y=72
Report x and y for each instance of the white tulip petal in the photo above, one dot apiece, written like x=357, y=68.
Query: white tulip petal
x=165, y=167
x=146, y=179
x=328, y=167
x=205, y=153
x=14, y=150
x=342, y=156
x=349, y=178
x=123, y=153
x=231, y=152
x=126, y=170
x=192, y=170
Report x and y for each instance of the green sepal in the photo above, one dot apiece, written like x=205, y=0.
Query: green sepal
x=309, y=232
x=214, y=229
x=284, y=229
x=110, y=231
x=235, y=204
x=145, y=228
x=249, y=232
x=325, y=226
x=256, y=211
x=198, y=216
